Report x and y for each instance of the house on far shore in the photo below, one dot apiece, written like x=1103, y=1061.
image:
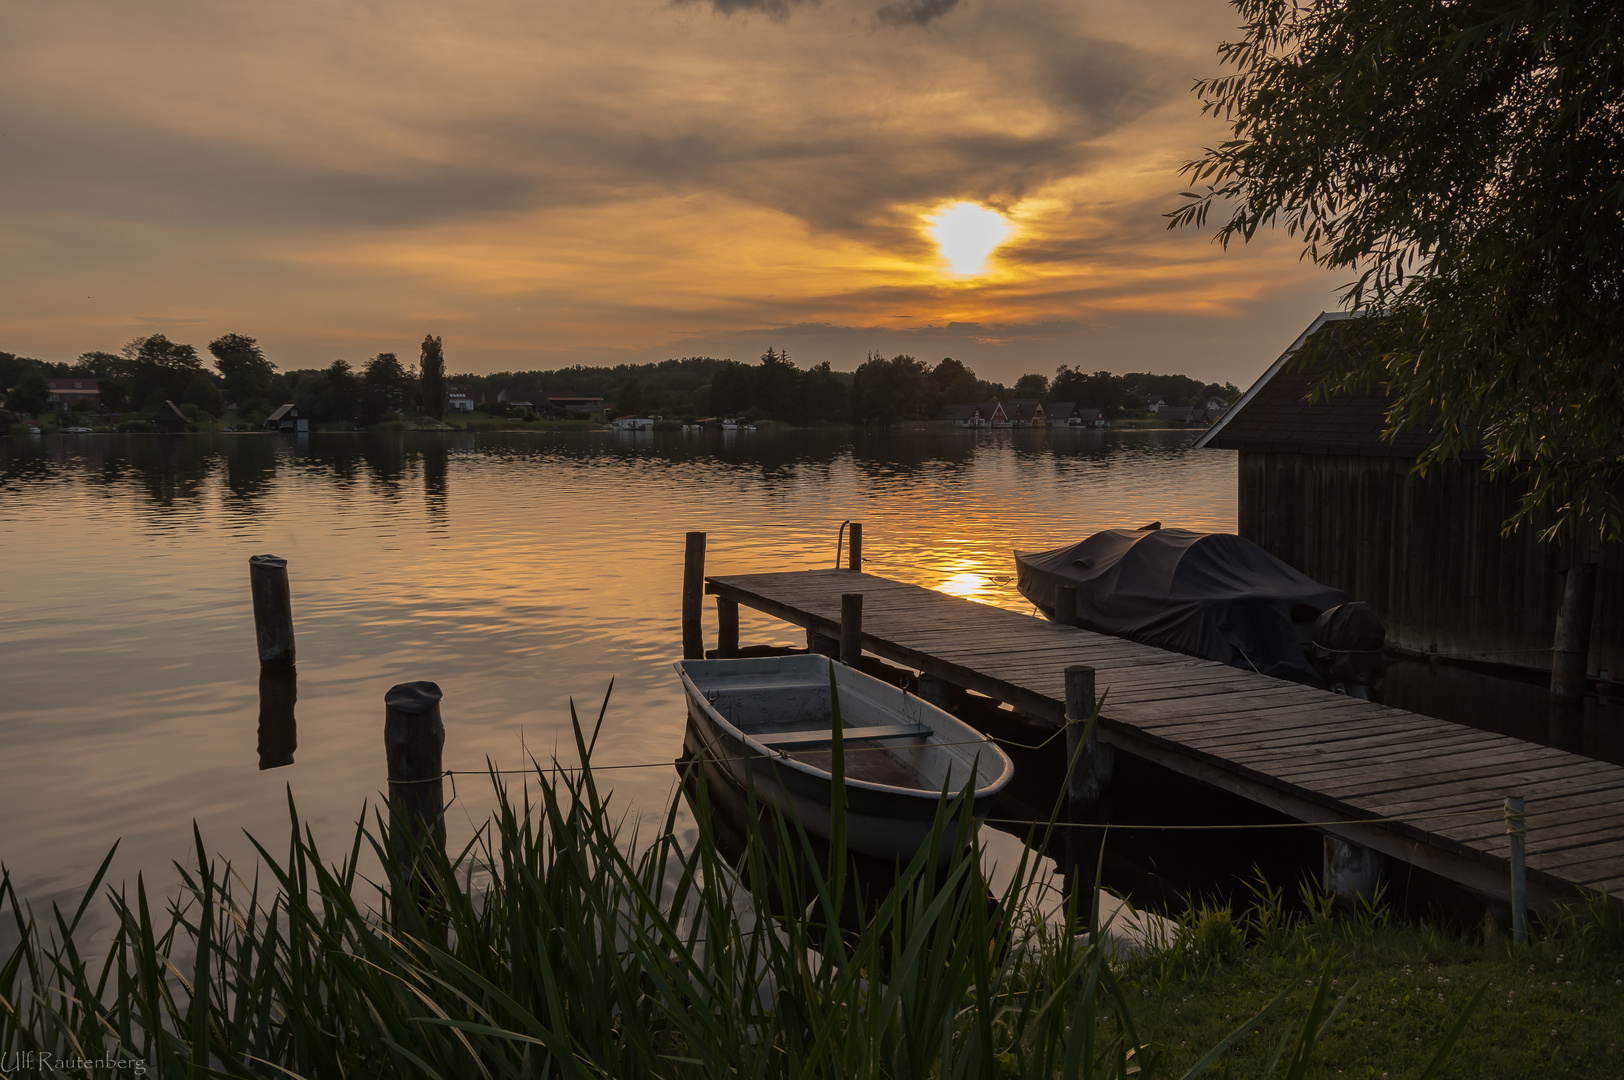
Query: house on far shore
x=961, y=414
x=521, y=399
x=1088, y=418
x=1321, y=489
x=584, y=405
x=1181, y=416
x=73, y=395
x=459, y=397
x=1155, y=403
x=287, y=418
x=1019, y=412
x=169, y=418
x=632, y=423
x=1059, y=413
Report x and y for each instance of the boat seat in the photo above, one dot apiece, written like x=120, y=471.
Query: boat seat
x=817, y=736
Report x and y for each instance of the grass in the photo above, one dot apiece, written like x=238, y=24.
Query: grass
x=1553, y=1008
x=562, y=943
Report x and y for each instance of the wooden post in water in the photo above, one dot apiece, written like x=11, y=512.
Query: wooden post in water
x=854, y=556
x=413, y=739
x=1516, y=829
x=693, y=598
x=851, y=629
x=727, y=627
x=273, y=608
x=1572, y=646
x=1065, y=609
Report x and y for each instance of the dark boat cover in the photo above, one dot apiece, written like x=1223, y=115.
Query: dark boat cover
x=1213, y=595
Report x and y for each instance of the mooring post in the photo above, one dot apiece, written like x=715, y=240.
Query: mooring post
x=1065, y=609
x=1090, y=762
x=413, y=740
x=851, y=629
x=727, y=627
x=693, y=597
x=1517, y=830
x=1571, y=652
x=273, y=608
x=278, y=731
x=854, y=552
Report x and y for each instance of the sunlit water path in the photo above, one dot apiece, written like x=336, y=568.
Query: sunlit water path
x=518, y=571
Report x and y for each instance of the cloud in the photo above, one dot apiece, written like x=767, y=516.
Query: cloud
x=776, y=10
x=914, y=12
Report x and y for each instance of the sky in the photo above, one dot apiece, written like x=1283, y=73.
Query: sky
x=543, y=184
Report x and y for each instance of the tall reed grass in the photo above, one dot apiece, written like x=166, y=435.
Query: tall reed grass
x=562, y=943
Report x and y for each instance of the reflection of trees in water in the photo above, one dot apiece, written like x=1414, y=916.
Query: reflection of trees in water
x=250, y=468
x=386, y=462
x=436, y=467
x=169, y=468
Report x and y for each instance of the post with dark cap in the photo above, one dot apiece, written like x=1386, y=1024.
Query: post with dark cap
x=1090, y=771
x=413, y=739
x=851, y=629
x=693, y=598
x=273, y=608
x=854, y=557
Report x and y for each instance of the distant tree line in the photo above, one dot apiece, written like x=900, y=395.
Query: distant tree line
x=152, y=369
x=149, y=370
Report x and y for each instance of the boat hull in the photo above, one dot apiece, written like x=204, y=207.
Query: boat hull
x=881, y=820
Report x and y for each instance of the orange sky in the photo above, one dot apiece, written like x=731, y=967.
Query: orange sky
x=545, y=183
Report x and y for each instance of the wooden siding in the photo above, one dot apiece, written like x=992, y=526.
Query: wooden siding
x=1426, y=553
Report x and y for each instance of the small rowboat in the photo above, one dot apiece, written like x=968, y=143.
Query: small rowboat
x=768, y=723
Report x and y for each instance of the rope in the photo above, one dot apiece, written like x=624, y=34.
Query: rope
x=1269, y=825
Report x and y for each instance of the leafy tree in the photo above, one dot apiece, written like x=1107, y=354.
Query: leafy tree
x=248, y=375
x=1031, y=386
x=31, y=395
x=630, y=398
x=1099, y=390
x=951, y=383
x=824, y=398
x=345, y=391
x=431, y=364
x=888, y=390
x=202, y=392
x=731, y=387
x=159, y=368
x=384, y=385
x=776, y=385
x=101, y=365
x=1466, y=162
x=14, y=368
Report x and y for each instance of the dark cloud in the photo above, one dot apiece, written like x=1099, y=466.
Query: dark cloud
x=776, y=10
x=914, y=12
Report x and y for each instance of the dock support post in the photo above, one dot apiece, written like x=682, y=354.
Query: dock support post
x=727, y=627
x=1350, y=872
x=939, y=692
x=821, y=644
x=851, y=629
x=1090, y=762
x=1065, y=609
x=1571, y=652
x=693, y=596
x=413, y=739
x=1517, y=830
x=854, y=557
x=273, y=608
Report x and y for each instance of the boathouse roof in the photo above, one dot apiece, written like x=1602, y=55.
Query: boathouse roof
x=1275, y=413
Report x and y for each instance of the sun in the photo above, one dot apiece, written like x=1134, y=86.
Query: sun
x=967, y=233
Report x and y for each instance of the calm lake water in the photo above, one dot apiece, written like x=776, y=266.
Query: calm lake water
x=520, y=571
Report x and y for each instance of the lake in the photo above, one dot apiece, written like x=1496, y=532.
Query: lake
x=521, y=571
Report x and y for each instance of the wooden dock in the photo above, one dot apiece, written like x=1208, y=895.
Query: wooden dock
x=1311, y=755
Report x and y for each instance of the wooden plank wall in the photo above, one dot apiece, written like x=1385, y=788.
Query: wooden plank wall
x=1427, y=554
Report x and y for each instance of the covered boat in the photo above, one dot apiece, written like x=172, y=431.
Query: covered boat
x=768, y=722
x=1213, y=595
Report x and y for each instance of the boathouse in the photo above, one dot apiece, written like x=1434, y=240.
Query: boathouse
x=169, y=418
x=287, y=418
x=1320, y=488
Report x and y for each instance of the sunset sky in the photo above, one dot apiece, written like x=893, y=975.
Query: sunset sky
x=546, y=183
